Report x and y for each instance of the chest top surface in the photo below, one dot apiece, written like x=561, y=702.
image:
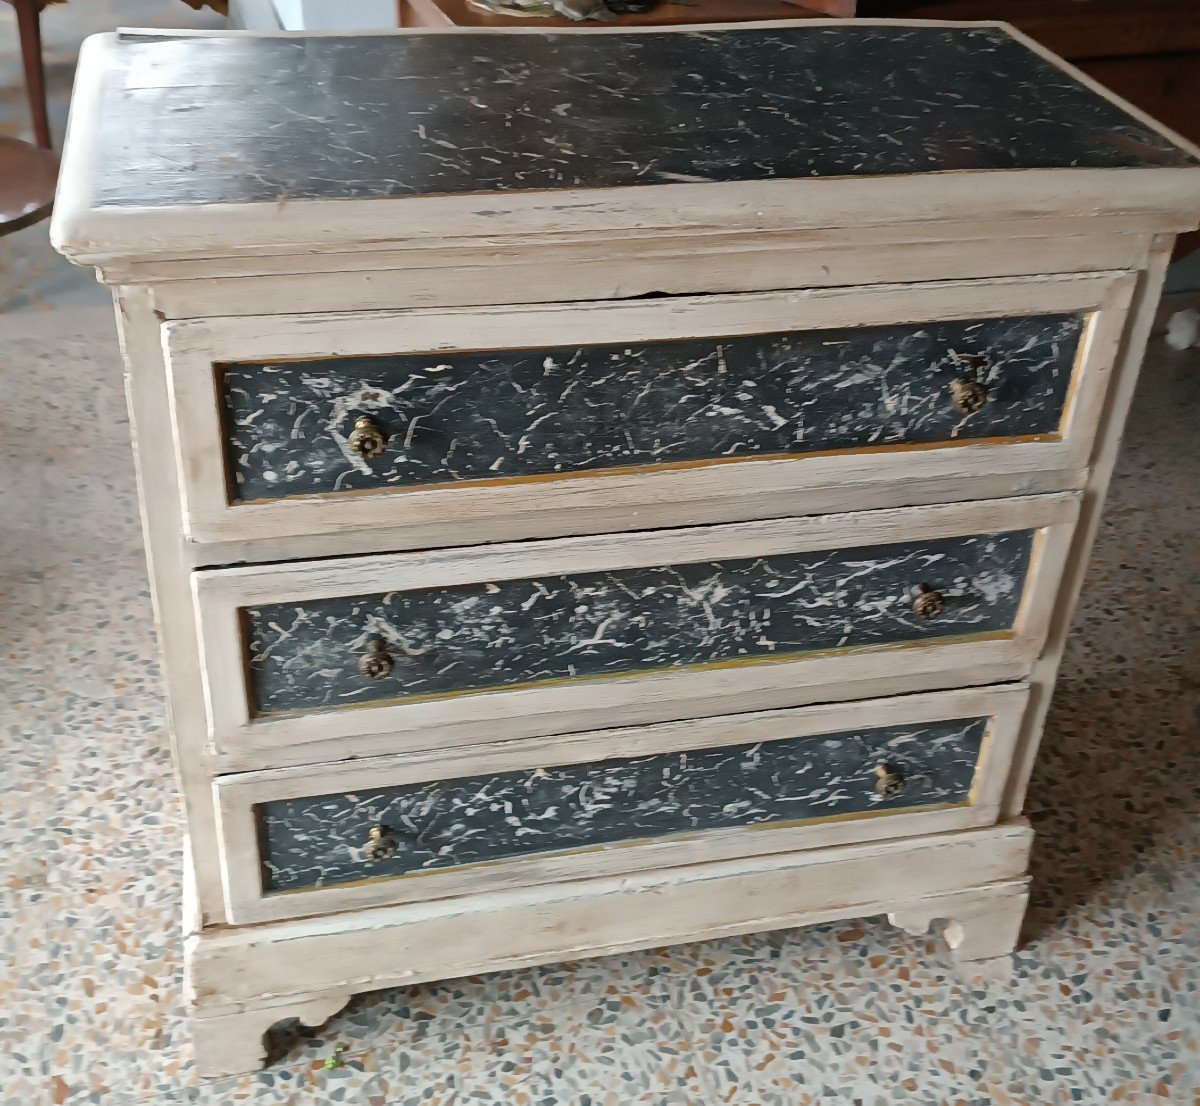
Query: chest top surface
x=209, y=146
x=242, y=119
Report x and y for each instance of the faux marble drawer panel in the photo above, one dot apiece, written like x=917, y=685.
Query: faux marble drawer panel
x=454, y=417
x=319, y=840
x=522, y=632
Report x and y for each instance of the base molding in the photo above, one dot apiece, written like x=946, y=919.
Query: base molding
x=235, y=1042
x=243, y=980
x=981, y=926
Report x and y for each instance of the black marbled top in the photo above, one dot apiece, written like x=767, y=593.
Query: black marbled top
x=245, y=119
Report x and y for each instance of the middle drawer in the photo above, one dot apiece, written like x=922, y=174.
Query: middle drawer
x=359, y=656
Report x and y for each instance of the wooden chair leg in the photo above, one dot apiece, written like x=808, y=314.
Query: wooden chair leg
x=29, y=30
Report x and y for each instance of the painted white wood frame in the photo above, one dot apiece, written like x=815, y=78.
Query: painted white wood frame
x=1103, y=462
x=462, y=273
x=724, y=247
x=563, y=921
x=239, y=740
x=752, y=505
x=159, y=500
x=244, y=979
x=238, y=795
x=196, y=349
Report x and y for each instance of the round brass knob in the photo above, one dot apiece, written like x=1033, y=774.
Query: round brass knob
x=968, y=396
x=368, y=439
x=379, y=845
x=376, y=662
x=927, y=603
x=888, y=781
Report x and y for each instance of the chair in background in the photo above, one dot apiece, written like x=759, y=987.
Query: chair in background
x=28, y=172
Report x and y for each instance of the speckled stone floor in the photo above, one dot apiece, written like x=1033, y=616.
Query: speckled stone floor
x=1103, y=1004
x=1104, y=1000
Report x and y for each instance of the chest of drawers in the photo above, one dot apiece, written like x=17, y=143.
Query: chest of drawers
x=605, y=489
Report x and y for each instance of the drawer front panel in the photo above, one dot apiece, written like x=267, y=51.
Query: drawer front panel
x=561, y=410
x=321, y=660
x=318, y=841
x=608, y=802
x=506, y=633
x=442, y=427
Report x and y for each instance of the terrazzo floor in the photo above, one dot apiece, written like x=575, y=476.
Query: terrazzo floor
x=1104, y=1000
x=1103, y=1004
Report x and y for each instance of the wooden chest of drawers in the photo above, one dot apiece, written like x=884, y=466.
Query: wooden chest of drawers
x=595, y=503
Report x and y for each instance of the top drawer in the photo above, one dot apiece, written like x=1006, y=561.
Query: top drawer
x=529, y=418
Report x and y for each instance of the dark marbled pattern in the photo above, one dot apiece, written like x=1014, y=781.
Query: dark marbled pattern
x=316, y=841
x=471, y=416
x=515, y=632
x=265, y=118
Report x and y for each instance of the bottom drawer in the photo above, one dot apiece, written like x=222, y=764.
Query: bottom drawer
x=392, y=829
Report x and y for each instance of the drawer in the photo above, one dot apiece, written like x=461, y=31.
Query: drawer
x=453, y=427
x=349, y=657
x=341, y=836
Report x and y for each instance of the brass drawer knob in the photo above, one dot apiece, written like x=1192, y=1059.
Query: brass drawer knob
x=376, y=662
x=927, y=603
x=888, y=781
x=379, y=845
x=968, y=396
x=368, y=439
